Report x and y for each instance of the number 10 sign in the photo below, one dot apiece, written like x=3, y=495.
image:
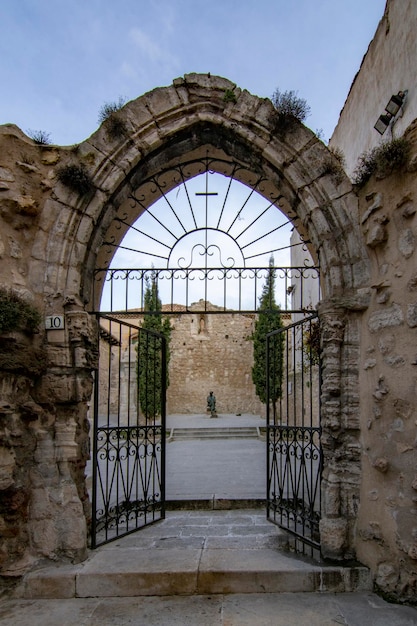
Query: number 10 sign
x=54, y=322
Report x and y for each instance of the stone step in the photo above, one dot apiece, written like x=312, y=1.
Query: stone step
x=244, y=432
x=195, y=553
x=126, y=572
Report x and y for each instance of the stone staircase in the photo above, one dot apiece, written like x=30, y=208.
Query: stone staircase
x=195, y=553
x=237, y=432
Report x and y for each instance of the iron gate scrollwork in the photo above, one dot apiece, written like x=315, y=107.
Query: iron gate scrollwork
x=129, y=430
x=294, y=456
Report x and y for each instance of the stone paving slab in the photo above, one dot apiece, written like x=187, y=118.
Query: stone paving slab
x=285, y=609
x=139, y=573
x=224, y=469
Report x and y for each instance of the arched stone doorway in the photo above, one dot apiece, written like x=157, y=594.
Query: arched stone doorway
x=159, y=129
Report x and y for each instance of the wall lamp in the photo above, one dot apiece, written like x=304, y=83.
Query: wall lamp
x=394, y=105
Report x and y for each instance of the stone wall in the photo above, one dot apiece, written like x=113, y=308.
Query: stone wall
x=212, y=352
x=386, y=533
x=51, y=241
x=208, y=352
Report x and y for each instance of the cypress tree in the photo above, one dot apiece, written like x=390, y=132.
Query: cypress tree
x=269, y=320
x=149, y=352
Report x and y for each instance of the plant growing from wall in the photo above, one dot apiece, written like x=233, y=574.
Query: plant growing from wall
x=269, y=320
x=289, y=108
x=388, y=157
x=229, y=96
x=311, y=343
x=16, y=314
x=335, y=164
x=40, y=137
x=149, y=352
x=76, y=178
x=109, y=114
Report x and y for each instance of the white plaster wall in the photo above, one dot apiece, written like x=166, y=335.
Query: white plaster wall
x=389, y=66
x=305, y=293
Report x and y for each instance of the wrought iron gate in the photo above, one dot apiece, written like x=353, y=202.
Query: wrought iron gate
x=129, y=430
x=294, y=457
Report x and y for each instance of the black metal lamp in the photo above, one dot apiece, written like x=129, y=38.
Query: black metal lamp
x=382, y=123
x=395, y=103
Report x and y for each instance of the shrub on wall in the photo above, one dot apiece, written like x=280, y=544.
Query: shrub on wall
x=109, y=114
x=76, y=178
x=290, y=108
x=229, y=96
x=335, y=164
x=17, y=314
x=40, y=137
x=381, y=161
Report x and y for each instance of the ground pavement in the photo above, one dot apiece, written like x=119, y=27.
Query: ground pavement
x=203, y=567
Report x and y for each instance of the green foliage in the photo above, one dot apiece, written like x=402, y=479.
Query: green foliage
x=229, y=96
x=311, y=343
x=17, y=314
x=269, y=320
x=382, y=161
x=76, y=178
x=289, y=106
x=40, y=137
x=149, y=352
x=109, y=113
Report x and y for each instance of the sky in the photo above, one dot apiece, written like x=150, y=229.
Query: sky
x=61, y=60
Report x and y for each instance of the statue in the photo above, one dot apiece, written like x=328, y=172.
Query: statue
x=211, y=404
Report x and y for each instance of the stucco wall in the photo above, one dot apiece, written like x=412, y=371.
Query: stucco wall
x=389, y=66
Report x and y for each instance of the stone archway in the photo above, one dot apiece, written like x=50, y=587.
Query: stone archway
x=158, y=129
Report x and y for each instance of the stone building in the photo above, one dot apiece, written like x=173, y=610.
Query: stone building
x=207, y=352
x=51, y=235
x=212, y=352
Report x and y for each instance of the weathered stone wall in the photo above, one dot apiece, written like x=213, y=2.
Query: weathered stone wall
x=45, y=379
x=208, y=352
x=369, y=386
x=387, y=68
x=386, y=534
x=212, y=352
x=160, y=129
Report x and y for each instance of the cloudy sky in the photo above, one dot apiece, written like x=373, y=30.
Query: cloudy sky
x=61, y=60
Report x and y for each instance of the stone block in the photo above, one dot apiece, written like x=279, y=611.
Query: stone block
x=254, y=571
x=40, y=505
x=162, y=102
x=333, y=533
x=412, y=315
x=56, y=388
x=7, y=175
x=7, y=467
x=51, y=582
x=406, y=242
x=44, y=537
x=206, y=82
x=142, y=576
x=386, y=318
